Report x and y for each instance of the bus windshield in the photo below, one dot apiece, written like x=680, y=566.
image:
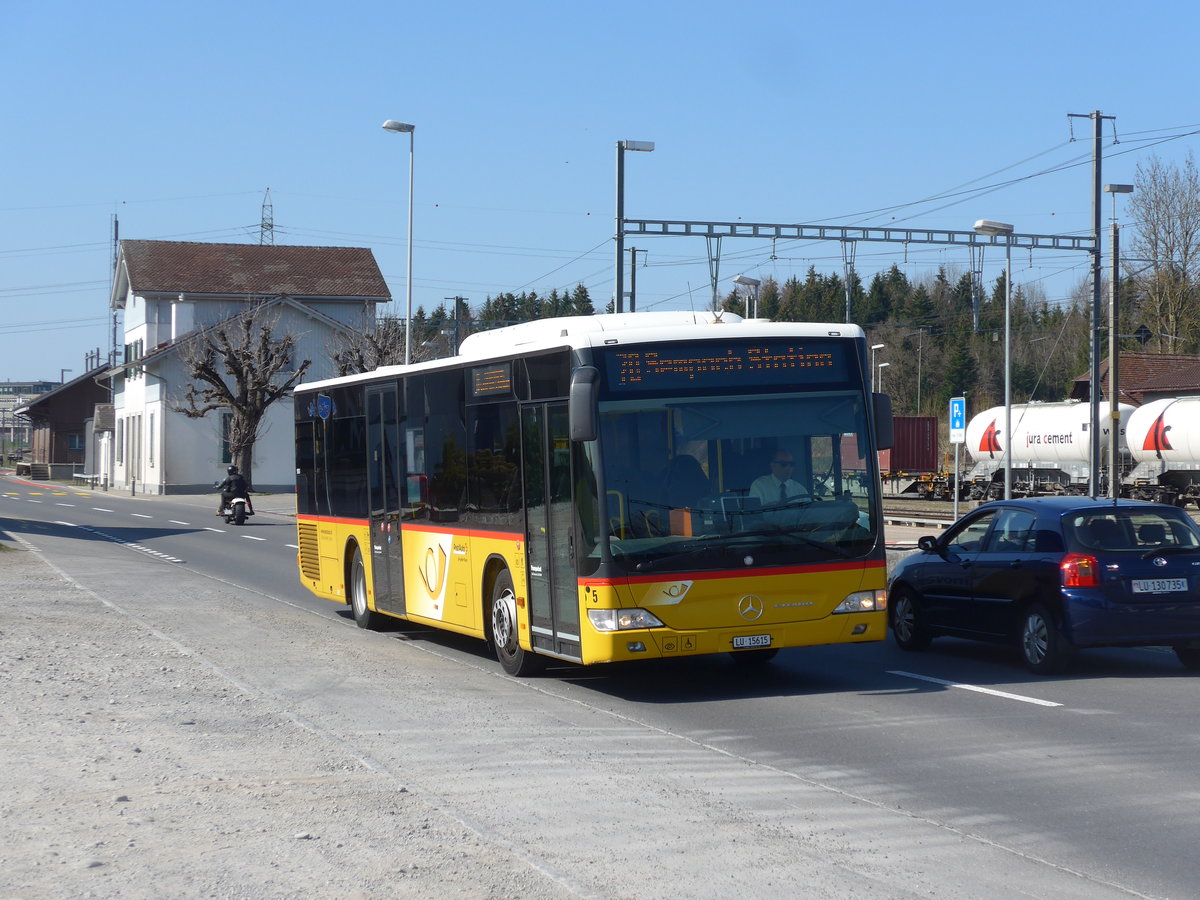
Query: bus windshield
x=738, y=480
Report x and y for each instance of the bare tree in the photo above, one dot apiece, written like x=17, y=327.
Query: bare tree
x=1165, y=205
x=365, y=349
x=241, y=365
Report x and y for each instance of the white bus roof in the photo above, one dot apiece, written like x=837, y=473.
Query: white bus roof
x=605, y=330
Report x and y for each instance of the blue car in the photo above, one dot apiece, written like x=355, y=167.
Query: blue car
x=1054, y=574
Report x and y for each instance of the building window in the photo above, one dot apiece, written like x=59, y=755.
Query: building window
x=74, y=441
x=150, y=440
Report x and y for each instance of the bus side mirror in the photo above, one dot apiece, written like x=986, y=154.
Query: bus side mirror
x=581, y=406
x=885, y=432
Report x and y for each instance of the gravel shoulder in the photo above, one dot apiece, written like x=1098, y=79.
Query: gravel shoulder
x=133, y=768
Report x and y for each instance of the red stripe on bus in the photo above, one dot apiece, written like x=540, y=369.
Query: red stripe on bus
x=734, y=573
x=412, y=526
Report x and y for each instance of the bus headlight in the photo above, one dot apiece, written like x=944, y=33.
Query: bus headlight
x=623, y=619
x=863, y=601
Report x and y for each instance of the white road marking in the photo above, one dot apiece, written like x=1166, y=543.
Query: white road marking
x=252, y=538
x=124, y=543
x=177, y=522
x=72, y=505
x=293, y=546
x=141, y=515
x=971, y=687
x=217, y=530
x=101, y=509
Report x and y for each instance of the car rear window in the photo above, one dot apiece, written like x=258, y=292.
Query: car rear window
x=1125, y=529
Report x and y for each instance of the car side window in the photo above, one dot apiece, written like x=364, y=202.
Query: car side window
x=968, y=538
x=1014, y=532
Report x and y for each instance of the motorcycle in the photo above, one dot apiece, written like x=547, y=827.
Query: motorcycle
x=236, y=511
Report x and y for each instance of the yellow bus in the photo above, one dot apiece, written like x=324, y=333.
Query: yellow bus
x=601, y=488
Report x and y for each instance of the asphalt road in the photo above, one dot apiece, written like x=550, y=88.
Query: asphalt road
x=878, y=773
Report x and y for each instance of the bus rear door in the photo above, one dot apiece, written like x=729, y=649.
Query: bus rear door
x=385, y=469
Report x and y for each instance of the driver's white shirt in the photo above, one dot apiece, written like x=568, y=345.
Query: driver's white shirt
x=766, y=489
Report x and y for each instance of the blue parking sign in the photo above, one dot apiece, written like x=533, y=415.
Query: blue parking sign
x=958, y=420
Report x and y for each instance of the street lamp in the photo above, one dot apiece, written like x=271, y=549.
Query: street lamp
x=622, y=146
x=404, y=128
x=994, y=229
x=879, y=379
x=752, y=283
x=1114, y=413
x=874, y=347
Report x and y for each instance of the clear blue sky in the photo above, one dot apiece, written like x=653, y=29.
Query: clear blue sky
x=177, y=117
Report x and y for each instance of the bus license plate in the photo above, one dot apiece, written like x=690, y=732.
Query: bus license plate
x=1159, y=585
x=751, y=640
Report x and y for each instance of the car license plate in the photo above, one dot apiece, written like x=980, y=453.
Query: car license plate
x=1159, y=585
x=751, y=640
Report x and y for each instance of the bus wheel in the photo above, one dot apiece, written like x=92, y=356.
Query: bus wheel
x=363, y=615
x=513, y=659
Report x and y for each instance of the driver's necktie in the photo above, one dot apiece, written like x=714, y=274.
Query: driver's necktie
x=782, y=491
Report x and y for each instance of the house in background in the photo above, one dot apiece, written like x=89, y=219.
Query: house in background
x=1142, y=377
x=61, y=426
x=172, y=290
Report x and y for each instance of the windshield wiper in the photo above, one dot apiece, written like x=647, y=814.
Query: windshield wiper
x=1167, y=551
x=694, y=549
x=788, y=538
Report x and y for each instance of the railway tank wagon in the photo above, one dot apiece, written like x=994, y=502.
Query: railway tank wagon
x=1164, y=442
x=1050, y=453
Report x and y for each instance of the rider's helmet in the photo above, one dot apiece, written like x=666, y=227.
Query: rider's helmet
x=233, y=470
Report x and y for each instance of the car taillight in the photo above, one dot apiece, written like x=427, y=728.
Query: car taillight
x=1080, y=570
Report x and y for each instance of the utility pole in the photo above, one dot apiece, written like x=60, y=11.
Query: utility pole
x=1097, y=272
x=266, y=228
x=633, y=252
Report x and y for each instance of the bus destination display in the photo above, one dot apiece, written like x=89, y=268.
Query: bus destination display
x=492, y=380
x=700, y=364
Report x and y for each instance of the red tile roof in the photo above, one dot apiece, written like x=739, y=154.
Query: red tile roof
x=1145, y=373
x=252, y=270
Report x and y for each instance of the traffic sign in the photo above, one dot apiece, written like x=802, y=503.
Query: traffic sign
x=958, y=420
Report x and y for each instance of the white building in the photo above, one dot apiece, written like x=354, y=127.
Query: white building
x=169, y=290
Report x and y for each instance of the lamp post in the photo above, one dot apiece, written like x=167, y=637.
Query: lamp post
x=1114, y=412
x=994, y=229
x=874, y=347
x=404, y=128
x=619, y=288
x=879, y=379
x=752, y=283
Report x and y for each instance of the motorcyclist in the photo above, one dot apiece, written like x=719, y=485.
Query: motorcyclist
x=233, y=486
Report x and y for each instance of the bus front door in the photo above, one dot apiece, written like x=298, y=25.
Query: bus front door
x=385, y=468
x=550, y=530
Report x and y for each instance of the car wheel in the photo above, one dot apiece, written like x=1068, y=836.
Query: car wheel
x=1189, y=656
x=908, y=625
x=364, y=616
x=1044, y=649
x=514, y=659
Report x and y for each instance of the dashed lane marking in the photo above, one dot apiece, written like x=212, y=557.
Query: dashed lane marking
x=976, y=688
x=141, y=516
x=140, y=548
